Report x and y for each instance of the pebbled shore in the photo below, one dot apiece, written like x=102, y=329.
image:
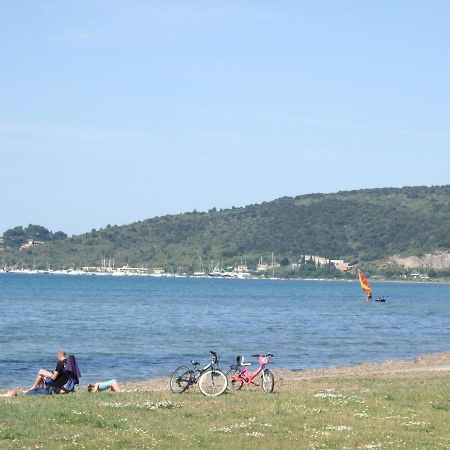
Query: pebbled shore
x=290, y=380
x=294, y=380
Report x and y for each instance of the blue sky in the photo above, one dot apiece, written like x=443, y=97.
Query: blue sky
x=112, y=111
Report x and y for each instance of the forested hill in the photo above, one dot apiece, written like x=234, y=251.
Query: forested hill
x=358, y=226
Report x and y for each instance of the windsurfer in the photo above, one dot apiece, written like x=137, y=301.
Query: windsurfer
x=365, y=286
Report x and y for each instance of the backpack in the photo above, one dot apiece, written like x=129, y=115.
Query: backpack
x=73, y=373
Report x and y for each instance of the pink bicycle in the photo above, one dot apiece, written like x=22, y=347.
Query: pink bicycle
x=239, y=374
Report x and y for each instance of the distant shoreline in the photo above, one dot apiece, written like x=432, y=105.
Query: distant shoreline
x=101, y=275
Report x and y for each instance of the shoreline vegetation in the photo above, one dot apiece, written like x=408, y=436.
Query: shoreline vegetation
x=392, y=405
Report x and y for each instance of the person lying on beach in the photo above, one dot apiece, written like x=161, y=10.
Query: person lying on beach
x=47, y=381
x=9, y=394
x=111, y=385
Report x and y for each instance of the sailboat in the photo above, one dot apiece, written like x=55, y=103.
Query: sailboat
x=201, y=272
x=365, y=286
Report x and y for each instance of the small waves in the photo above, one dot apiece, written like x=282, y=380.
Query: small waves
x=136, y=328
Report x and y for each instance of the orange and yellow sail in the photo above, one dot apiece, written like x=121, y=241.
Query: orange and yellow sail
x=365, y=285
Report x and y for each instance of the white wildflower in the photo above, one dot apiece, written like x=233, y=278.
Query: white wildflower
x=337, y=428
x=254, y=434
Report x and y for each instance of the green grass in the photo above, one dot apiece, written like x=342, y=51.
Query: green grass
x=364, y=413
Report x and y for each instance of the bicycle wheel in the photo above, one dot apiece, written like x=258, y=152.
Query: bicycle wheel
x=212, y=383
x=233, y=385
x=267, y=381
x=181, y=379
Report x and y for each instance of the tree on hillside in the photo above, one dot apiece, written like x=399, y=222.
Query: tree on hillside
x=15, y=237
x=37, y=232
x=59, y=236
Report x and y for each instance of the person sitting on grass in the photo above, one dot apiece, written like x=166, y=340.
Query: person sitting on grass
x=111, y=385
x=48, y=382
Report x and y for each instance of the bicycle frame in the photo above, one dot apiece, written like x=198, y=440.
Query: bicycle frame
x=199, y=371
x=245, y=375
x=210, y=365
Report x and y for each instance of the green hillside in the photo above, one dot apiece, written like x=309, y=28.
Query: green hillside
x=358, y=226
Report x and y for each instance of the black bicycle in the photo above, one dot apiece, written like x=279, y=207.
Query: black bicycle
x=210, y=379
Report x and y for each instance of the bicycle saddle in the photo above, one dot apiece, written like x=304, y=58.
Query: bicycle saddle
x=194, y=363
x=241, y=361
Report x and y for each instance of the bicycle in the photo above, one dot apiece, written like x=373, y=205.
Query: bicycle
x=239, y=374
x=210, y=379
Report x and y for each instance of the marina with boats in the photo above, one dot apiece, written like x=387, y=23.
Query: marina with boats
x=239, y=270
x=108, y=268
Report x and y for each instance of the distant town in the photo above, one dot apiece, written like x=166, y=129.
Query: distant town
x=307, y=266
x=241, y=269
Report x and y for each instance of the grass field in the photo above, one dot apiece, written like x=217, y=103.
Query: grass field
x=404, y=412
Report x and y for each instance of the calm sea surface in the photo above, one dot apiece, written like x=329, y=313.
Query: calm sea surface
x=135, y=328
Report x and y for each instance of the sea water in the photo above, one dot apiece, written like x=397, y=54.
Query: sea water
x=133, y=328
